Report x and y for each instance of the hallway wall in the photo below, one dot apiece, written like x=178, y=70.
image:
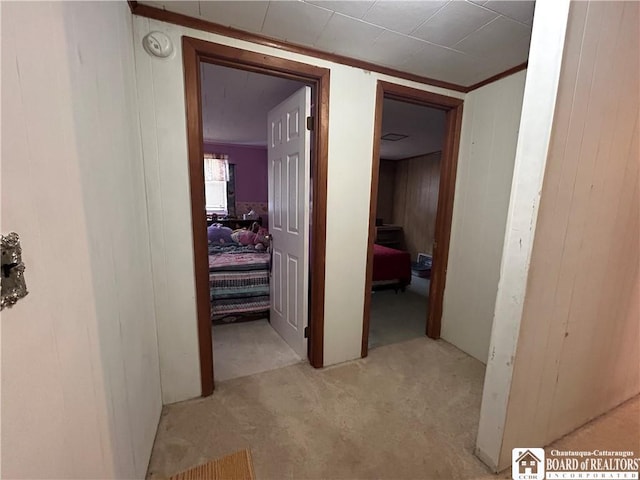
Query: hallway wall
x=80, y=378
x=483, y=186
x=578, y=351
x=351, y=112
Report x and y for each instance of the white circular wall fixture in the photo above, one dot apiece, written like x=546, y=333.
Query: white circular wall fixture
x=157, y=44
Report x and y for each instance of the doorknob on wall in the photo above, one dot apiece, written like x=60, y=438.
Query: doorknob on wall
x=14, y=286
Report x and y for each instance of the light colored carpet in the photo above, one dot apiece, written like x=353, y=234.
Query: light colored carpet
x=419, y=285
x=237, y=466
x=408, y=410
x=241, y=349
x=396, y=317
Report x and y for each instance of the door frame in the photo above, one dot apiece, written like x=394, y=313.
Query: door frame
x=195, y=52
x=448, y=168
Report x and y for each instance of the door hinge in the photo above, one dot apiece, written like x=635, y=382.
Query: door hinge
x=306, y=332
x=310, y=123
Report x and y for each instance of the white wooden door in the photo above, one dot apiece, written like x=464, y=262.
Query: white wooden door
x=288, y=156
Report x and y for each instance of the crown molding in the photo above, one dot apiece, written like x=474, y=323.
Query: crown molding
x=497, y=77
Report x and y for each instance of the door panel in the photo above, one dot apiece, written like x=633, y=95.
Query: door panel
x=276, y=280
x=288, y=155
x=294, y=195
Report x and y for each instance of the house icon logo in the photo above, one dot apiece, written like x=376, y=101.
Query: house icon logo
x=527, y=464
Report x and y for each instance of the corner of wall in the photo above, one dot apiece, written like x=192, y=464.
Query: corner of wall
x=545, y=59
x=483, y=184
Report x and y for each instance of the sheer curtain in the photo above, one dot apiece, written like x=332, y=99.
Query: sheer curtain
x=216, y=174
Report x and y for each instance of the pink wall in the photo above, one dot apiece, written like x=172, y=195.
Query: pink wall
x=251, y=170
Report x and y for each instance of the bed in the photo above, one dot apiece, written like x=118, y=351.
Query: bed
x=238, y=282
x=391, y=268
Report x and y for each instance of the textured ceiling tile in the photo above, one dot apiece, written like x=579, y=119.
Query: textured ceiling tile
x=243, y=15
x=453, y=22
x=520, y=10
x=391, y=49
x=444, y=64
x=351, y=8
x=347, y=36
x=491, y=42
x=294, y=21
x=189, y=8
x=402, y=16
x=502, y=38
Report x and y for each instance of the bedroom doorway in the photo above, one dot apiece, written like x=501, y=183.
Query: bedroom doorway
x=416, y=138
x=259, y=76
x=258, y=237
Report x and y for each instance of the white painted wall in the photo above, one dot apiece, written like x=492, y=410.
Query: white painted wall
x=545, y=58
x=351, y=111
x=483, y=186
x=80, y=377
x=578, y=351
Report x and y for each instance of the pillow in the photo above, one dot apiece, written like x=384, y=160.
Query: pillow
x=219, y=234
x=243, y=237
x=247, y=237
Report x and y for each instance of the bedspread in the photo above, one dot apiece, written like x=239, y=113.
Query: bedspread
x=238, y=283
x=391, y=264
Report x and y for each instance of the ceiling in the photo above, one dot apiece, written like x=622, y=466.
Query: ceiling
x=236, y=102
x=423, y=126
x=456, y=41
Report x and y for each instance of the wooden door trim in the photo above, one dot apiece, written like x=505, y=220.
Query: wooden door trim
x=195, y=52
x=448, y=168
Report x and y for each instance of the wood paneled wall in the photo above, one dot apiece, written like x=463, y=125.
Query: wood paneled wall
x=578, y=351
x=386, y=190
x=415, y=201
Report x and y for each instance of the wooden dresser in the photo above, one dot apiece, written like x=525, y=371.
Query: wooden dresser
x=390, y=236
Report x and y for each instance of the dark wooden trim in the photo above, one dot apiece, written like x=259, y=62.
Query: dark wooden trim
x=320, y=159
x=375, y=174
x=497, y=77
x=444, y=214
x=195, y=52
x=133, y=5
x=191, y=63
x=449, y=161
x=206, y=26
x=419, y=97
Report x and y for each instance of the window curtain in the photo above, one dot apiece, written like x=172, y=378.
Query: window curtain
x=231, y=191
x=216, y=167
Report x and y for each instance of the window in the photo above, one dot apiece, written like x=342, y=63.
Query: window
x=216, y=174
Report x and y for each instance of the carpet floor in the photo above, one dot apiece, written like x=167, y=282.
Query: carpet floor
x=245, y=348
x=419, y=285
x=408, y=410
x=396, y=317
